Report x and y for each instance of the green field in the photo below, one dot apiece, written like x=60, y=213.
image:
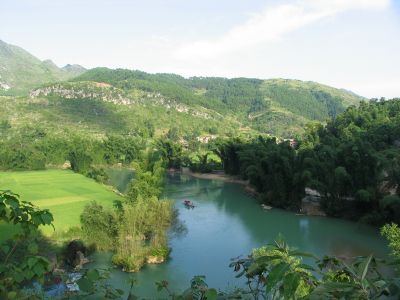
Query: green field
x=63, y=192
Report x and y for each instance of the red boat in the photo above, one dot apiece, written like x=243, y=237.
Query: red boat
x=188, y=204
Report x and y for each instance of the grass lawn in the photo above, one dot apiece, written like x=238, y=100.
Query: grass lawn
x=63, y=192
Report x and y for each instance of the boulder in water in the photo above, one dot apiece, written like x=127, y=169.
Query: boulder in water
x=75, y=253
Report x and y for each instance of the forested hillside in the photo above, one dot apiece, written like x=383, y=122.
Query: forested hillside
x=353, y=163
x=278, y=107
x=20, y=71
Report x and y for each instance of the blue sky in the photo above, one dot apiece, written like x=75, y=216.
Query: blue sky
x=351, y=44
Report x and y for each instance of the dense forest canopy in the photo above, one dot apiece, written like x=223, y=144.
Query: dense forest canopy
x=279, y=107
x=352, y=162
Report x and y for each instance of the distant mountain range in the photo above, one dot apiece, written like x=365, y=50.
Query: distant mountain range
x=217, y=105
x=20, y=71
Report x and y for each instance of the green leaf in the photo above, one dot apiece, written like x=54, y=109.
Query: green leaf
x=31, y=261
x=5, y=249
x=47, y=218
x=29, y=274
x=380, y=283
x=12, y=202
x=85, y=284
x=38, y=270
x=300, y=253
x=275, y=276
x=19, y=277
x=291, y=283
x=93, y=274
x=254, y=269
x=306, y=267
x=33, y=248
x=211, y=294
x=364, y=267
x=332, y=287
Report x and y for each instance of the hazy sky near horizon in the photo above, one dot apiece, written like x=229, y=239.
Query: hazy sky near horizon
x=351, y=44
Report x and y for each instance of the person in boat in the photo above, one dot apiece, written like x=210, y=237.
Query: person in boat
x=188, y=203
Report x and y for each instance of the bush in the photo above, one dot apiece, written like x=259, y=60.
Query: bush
x=204, y=162
x=99, y=226
x=98, y=174
x=129, y=263
x=80, y=161
x=161, y=250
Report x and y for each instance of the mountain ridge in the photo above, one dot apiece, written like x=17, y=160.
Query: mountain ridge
x=263, y=105
x=279, y=107
x=21, y=71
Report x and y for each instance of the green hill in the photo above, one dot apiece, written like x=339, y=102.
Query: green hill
x=20, y=71
x=277, y=106
x=124, y=101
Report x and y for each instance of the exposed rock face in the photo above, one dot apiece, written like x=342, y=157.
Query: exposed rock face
x=4, y=86
x=88, y=91
x=312, y=207
x=80, y=260
x=66, y=165
x=158, y=99
x=155, y=259
x=206, y=139
x=107, y=93
x=75, y=254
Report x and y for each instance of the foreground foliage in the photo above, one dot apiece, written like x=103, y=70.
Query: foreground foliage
x=19, y=257
x=277, y=271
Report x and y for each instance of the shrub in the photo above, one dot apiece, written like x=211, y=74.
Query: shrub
x=129, y=263
x=161, y=250
x=99, y=226
x=98, y=174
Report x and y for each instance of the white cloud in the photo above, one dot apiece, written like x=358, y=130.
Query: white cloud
x=272, y=24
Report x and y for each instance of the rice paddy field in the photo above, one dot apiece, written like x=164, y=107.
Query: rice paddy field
x=63, y=192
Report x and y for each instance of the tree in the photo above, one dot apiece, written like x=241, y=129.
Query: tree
x=171, y=152
x=99, y=226
x=392, y=233
x=80, y=161
x=16, y=269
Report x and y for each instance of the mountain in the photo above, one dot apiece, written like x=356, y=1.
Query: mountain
x=276, y=106
x=20, y=71
x=74, y=70
x=123, y=100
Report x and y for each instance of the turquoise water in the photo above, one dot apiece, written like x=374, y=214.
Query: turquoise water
x=226, y=223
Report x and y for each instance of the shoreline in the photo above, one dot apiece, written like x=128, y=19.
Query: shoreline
x=309, y=208
x=223, y=177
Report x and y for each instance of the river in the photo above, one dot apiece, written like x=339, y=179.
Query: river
x=226, y=223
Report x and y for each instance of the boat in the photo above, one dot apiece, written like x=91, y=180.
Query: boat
x=188, y=204
x=267, y=207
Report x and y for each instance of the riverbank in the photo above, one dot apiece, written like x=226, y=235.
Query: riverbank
x=310, y=207
x=223, y=177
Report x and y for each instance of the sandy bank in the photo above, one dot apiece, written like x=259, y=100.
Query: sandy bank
x=223, y=177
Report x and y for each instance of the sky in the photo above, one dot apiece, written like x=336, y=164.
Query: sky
x=350, y=44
